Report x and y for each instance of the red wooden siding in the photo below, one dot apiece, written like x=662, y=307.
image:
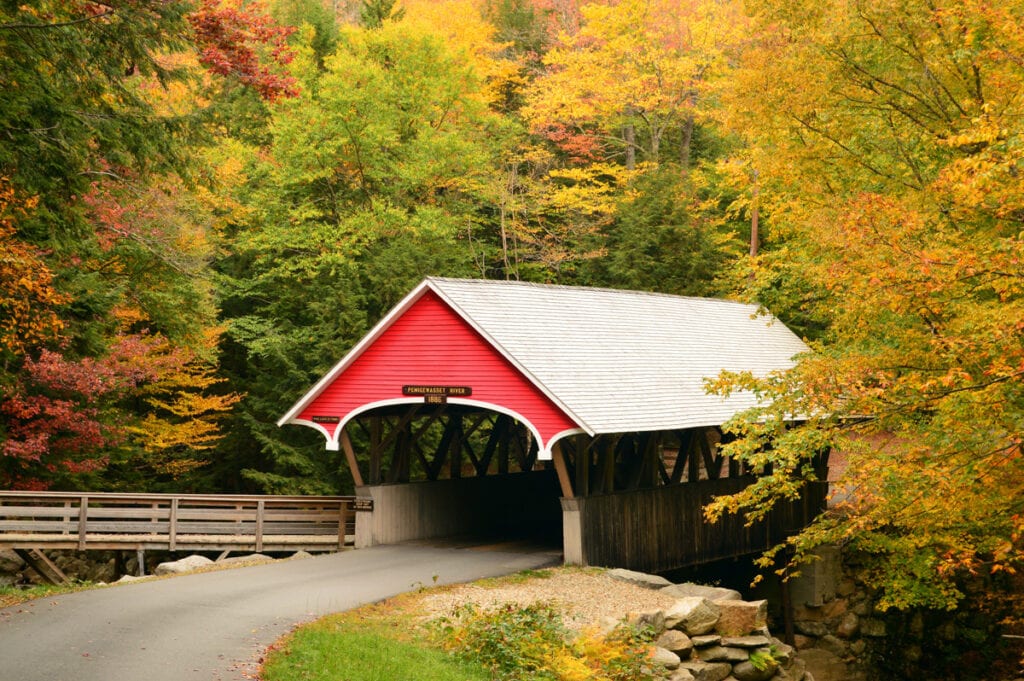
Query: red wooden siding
x=432, y=345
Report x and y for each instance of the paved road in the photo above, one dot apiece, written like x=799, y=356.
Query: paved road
x=214, y=626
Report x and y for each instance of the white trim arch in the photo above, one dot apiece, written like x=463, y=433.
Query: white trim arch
x=334, y=441
x=332, y=444
x=564, y=434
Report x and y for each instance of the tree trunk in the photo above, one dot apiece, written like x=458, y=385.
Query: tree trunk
x=754, y=216
x=629, y=133
x=684, y=149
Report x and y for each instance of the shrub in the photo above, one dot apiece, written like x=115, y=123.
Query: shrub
x=520, y=643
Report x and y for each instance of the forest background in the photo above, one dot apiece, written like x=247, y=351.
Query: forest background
x=204, y=204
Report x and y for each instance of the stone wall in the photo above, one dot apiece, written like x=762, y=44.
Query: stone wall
x=710, y=634
x=842, y=635
x=83, y=566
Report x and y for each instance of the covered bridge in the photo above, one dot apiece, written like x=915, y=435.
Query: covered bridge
x=573, y=414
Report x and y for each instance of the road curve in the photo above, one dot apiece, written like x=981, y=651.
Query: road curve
x=215, y=626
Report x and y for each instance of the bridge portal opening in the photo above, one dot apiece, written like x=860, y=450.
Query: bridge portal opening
x=451, y=471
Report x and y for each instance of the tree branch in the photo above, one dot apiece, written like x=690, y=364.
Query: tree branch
x=62, y=24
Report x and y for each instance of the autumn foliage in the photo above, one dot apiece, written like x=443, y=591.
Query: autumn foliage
x=894, y=194
x=230, y=37
x=200, y=201
x=28, y=299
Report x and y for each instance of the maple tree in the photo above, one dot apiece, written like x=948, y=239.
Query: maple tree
x=890, y=177
x=182, y=423
x=230, y=37
x=65, y=420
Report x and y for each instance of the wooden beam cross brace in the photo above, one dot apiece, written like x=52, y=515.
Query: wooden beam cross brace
x=558, y=455
x=350, y=457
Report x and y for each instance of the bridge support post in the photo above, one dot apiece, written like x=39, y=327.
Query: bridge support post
x=572, y=531
x=364, y=520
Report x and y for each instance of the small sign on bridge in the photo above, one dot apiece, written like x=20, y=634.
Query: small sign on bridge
x=437, y=394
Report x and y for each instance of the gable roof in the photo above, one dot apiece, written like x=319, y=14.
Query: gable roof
x=614, y=361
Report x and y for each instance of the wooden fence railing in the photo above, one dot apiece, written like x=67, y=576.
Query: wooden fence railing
x=176, y=522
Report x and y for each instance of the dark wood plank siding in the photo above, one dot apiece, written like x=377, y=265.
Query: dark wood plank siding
x=663, y=528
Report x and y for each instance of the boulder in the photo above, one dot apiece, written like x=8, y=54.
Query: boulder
x=128, y=578
x=723, y=654
x=712, y=593
x=794, y=670
x=681, y=675
x=834, y=645
x=739, y=618
x=757, y=641
x=821, y=664
x=811, y=628
x=849, y=626
x=676, y=641
x=607, y=626
x=10, y=562
x=748, y=671
x=707, y=671
x=784, y=652
x=653, y=620
x=803, y=642
x=251, y=558
x=663, y=658
x=706, y=640
x=178, y=567
x=693, y=615
x=639, y=578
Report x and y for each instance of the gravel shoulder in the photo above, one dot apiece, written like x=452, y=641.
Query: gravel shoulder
x=584, y=596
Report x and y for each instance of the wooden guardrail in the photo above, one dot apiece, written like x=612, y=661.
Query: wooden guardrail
x=176, y=522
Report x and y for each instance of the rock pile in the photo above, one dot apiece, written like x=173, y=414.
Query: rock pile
x=11, y=568
x=101, y=567
x=710, y=634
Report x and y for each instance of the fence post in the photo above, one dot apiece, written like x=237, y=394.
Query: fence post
x=343, y=509
x=172, y=528
x=83, y=519
x=260, y=505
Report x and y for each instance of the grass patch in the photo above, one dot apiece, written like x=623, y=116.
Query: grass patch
x=13, y=595
x=319, y=652
x=373, y=645
x=517, y=578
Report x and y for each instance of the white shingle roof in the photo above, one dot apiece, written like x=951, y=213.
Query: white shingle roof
x=624, y=361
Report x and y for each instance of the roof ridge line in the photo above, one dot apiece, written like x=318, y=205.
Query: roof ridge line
x=580, y=287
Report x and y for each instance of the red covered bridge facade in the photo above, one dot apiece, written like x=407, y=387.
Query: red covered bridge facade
x=568, y=415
